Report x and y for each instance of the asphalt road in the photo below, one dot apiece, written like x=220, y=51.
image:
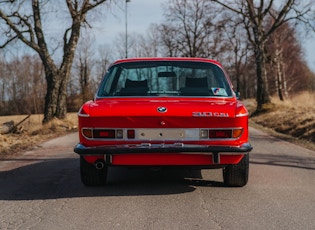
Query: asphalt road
x=41, y=189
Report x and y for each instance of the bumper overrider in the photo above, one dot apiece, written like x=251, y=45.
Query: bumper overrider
x=161, y=148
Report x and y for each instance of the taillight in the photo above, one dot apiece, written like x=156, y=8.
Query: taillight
x=220, y=133
x=103, y=133
x=87, y=133
x=217, y=133
x=131, y=134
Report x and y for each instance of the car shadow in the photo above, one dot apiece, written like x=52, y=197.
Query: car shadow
x=283, y=160
x=60, y=178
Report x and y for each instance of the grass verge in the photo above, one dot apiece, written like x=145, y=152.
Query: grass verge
x=292, y=120
x=32, y=132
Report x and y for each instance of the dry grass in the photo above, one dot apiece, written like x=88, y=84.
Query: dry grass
x=33, y=132
x=294, y=117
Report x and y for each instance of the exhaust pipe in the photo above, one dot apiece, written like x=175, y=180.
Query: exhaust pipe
x=99, y=165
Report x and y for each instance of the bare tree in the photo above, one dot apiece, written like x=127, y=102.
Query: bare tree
x=21, y=81
x=283, y=51
x=236, y=54
x=25, y=25
x=148, y=46
x=84, y=64
x=153, y=40
x=120, y=45
x=168, y=41
x=254, y=15
x=104, y=60
x=194, y=28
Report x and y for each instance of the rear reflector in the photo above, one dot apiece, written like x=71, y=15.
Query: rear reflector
x=87, y=133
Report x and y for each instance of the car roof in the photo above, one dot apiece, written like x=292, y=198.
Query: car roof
x=167, y=59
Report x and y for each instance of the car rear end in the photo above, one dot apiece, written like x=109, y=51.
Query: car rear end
x=164, y=112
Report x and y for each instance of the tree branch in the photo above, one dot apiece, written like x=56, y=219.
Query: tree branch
x=227, y=6
x=19, y=34
x=7, y=42
x=86, y=6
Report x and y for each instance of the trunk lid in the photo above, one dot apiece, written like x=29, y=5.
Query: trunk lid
x=164, y=107
x=163, y=112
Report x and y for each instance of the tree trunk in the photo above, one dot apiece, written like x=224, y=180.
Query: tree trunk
x=61, y=111
x=279, y=83
x=284, y=80
x=56, y=96
x=284, y=86
x=84, y=80
x=52, y=95
x=262, y=83
x=57, y=79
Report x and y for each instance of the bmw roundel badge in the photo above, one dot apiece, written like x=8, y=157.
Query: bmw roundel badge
x=162, y=109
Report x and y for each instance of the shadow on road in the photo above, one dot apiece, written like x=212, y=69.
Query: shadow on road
x=283, y=160
x=60, y=178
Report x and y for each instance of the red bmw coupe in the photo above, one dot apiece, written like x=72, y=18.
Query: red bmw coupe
x=159, y=112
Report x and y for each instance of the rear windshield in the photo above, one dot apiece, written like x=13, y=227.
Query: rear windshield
x=165, y=78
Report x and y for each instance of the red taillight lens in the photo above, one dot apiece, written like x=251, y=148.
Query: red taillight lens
x=104, y=133
x=131, y=134
x=220, y=133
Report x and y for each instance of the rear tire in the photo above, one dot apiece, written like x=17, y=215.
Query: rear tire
x=237, y=175
x=90, y=175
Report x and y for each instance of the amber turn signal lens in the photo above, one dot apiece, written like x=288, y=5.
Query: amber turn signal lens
x=237, y=133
